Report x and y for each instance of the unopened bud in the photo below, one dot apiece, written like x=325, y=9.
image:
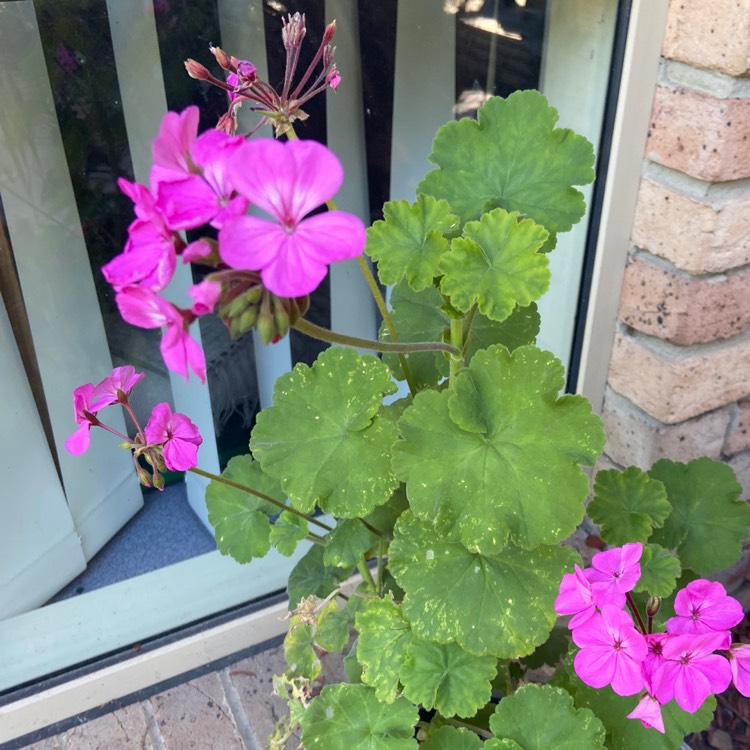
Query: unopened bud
x=158, y=481
x=265, y=328
x=247, y=320
x=246, y=71
x=222, y=58
x=293, y=31
x=280, y=318
x=143, y=476
x=329, y=32
x=653, y=605
x=196, y=70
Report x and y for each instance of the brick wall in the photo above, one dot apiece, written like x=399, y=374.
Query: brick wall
x=679, y=379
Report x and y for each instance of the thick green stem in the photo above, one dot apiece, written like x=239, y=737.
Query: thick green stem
x=366, y=575
x=457, y=339
x=323, y=334
x=261, y=495
x=477, y=730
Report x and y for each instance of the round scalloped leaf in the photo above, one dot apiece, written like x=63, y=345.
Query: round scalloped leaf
x=496, y=264
x=350, y=717
x=628, y=505
x=512, y=156
x=709, y=520
x=287, y=531
x=452, y=738
x=499, y=604
x=500, y=455
x=384, y=635
x=240, y=520
x=410, y=240
x=540, y=717
x=323, y=439
x=445, y=677
x=501, y=744
x=312, y=577
x=347, y=543
x=419, y=316
x=660, y=570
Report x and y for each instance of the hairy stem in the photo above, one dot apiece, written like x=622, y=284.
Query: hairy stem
x=634, y=611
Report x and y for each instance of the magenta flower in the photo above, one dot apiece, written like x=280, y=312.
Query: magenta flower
x=171, y=147
x=654, y=659
x=612, y=652
x=575, y=598
x=205, y=296
x=739, y=663
x=287, y=181
x=648, y=711
x=704, y=607
x=145, y=309
x=691, y=671
x=615, y=572
x=177, y=435
x=122, y=380
x=86, y=403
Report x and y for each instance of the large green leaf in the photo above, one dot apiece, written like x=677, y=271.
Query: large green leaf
x=332, y=633
x=512, y=156
x=496, y=265
x=384, y=635
x=410, y=240
x=240, y=520
x=312, y=577
x=350, y=717
x=420, y=316
x=660, y=570
x=445, y=677
x=499, y=454
x=540, y=717
x=451, y=738
x=499, y=604
x=347, y=543
x=323, y=438
x=628, y=505
x=709, y=520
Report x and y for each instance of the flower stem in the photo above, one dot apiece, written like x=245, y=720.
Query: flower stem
x=366, y=575
x=371, y=528
x=323, y=334
x=457, y=339
x=634, y=611
x=261, y=495
x=481, y=732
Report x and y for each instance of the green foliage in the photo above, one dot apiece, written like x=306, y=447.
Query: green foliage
x=312, y=577
x=660, y=570
x=709, y=520
x=452, y=738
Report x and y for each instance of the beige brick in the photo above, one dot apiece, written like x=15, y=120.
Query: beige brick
x=700, y=135
x=673, y=385
x=53, y=743
x=738, y=439
x=697, y=236
x=123, y=729
x=683, y=309
x=196, y=716
x=636, y=439
x=713, y=34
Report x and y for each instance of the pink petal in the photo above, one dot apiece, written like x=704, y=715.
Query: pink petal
x=627, y=678
x=196, y=251
x=648, y=711
x=80, y=440
x=205, y=296
x=159, y=423
x=142, y=308
x=177, y=133
x=249, y=243
x=594, y=666
x=333, y=236
x=188, y=203
x=739, y=663
x=122, y=379
x=180, y=455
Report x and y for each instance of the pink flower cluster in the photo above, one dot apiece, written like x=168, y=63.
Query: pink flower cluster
x=680, y=663
x=213, y=178
x=169, y=440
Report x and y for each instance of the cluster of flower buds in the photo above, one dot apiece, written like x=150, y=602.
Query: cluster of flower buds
x=282, y=108
x=680, y=663
x=168, y=441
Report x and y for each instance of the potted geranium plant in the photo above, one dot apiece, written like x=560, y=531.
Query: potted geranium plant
x=452, y=503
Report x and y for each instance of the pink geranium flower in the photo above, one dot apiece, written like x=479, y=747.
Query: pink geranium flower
x=177, y=435
x=691, y=671
x=122, y=380
x=612, y=651
x=145, y=309
x=86, y=403
x=287, y=181
x=575, y=598
x=704, y=607
x=205, y=296
x=171, y=147
x=615, y=572
x=739, y=663
x=654, y=659
x=648, y=711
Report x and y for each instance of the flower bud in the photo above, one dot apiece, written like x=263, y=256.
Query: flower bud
x=653, y=605
x=265, y=327
x=247, y=72
x=222, y=58
x=329, y=32
x=143, y=476
x=158, y=481
x=293, y=31
x=280, y=318
x=196, y=70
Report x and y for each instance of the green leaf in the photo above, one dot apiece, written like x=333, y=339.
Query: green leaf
x=499, y=604
x=287, y=530
x=419, y=316
x=500, y=454
x=384, y=635
x=301, y=658
x=347, y=543
x=350, y=717
x=445, y=677
x=332, y=632
x=709, y=520
x=539, y=717
x=496, y=264
x=660, y=570
x=551, y=652
x=312, y=577
x=452, y=738
x=352, y=667
x=628, y=505
x=501, y=744
x=513, y=157
x=410, y=240
x=323, y=438
x=240, y=520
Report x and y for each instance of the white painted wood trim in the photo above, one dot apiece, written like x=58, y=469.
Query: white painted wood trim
x=648, y=21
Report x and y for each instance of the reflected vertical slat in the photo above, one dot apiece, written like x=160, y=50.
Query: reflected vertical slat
x=55, y=276
x=136, y=49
